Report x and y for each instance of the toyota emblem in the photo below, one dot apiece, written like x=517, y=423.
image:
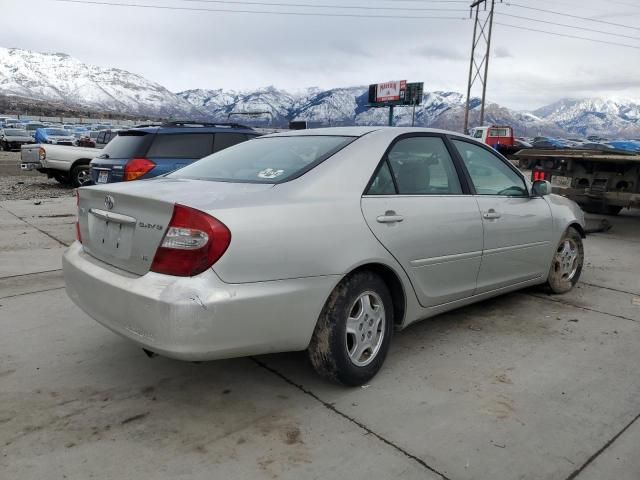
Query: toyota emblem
x=108, y=202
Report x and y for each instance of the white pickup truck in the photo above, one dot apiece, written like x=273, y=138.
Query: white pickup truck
x=68, y=165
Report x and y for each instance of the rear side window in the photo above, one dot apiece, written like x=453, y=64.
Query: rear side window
x=187, y=145
x=226, y=140
x=420, y=166
x=128, y=145
x=266, y=159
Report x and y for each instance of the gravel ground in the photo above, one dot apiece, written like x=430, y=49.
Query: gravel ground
x=18, y=185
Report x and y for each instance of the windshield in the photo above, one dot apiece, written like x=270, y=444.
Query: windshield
x=128, y=144
x=14, y=132
x=56, y=131
x=34, y=126
x=265, y=160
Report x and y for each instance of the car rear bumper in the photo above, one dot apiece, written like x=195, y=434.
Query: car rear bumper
x=198, y=318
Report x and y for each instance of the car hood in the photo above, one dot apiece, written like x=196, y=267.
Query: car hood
x=60, y=137
x=14, y=138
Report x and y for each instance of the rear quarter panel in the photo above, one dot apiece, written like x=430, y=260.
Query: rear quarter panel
x=60, y=157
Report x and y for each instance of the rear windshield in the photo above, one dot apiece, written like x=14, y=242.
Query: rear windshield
x=265, y=160
x=189, y=145
x=11, y=132
x=56, y=131
x=128, y=144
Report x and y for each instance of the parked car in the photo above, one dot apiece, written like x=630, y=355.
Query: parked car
x=31, y=127
x=14, y=138
x=325, y=240
x=148, y=152
x=85, y=141
x=103, y=137
x=68, y=165
x=54, y=136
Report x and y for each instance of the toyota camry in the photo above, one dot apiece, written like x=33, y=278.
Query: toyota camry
x=322, y=240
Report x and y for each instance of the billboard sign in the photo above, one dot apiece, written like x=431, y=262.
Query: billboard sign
x=397, y=92
x=391, y=91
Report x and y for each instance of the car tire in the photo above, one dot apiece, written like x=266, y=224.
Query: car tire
x=567, y=263
x=79, y=175
x=61, y=178
x=353, y=333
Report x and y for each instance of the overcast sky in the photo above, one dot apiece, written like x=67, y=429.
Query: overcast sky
x=205, y=49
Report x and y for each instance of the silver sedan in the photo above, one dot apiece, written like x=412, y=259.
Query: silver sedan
x=325, y=240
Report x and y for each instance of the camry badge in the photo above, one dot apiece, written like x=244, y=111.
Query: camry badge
x=108, y=202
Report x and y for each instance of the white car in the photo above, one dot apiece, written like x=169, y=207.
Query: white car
x=325, y=240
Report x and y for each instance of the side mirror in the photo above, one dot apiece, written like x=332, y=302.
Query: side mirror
x=540, y=188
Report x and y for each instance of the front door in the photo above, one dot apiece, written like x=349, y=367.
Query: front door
x=417, y=209
x=517, y=227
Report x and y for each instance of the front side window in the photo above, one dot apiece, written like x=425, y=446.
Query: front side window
x=477, y=134
x=489, y=174
x=422, y=166
x=265, y=159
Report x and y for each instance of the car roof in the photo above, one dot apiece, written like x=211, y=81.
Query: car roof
x=361, y=131
x=206, y=128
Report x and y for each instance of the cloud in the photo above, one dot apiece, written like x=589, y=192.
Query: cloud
x=183, y=50
x=439, y=52
x=502, y=52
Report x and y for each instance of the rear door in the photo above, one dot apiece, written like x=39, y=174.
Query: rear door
x=418, y=207
x=517, y=227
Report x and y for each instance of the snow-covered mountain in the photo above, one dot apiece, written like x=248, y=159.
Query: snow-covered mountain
x=595, y=116
x=65, y=81
x=61, y=79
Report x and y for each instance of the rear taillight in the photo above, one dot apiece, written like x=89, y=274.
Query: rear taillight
x=193, y=242
x=78, y=236
x=538, y=175
x=137, y=167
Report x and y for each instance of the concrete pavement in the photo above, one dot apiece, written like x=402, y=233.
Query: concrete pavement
x=525, y=386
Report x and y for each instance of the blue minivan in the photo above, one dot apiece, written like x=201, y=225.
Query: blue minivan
x=140, y=153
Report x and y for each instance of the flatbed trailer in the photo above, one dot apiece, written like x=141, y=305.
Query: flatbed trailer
x=599, y=181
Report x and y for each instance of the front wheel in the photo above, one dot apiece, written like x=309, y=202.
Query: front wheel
x=353, y=333
x=567, y=263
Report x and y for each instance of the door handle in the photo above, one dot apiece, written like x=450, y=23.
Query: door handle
x=491, y=214
x=390, y=217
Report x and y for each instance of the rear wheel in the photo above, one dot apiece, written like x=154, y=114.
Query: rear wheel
x=79, y=175
x=354, y=330
x=567, y=263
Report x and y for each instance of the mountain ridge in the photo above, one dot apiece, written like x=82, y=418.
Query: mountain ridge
x=63, y=80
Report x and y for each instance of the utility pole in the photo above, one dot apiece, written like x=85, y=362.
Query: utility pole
x=482, y=29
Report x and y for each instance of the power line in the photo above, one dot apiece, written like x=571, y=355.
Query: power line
x=263, y=12
x=568, y=26
x=306, y=5
x=571, y=15
x=567, y=35
x=625, y=4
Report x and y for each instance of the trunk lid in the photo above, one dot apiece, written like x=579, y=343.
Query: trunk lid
x=123, y=224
